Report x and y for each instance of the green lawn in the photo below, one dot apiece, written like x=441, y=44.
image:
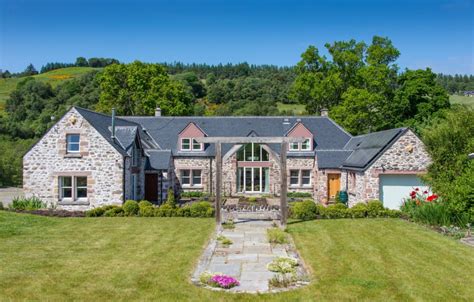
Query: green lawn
x=460, y=99
x=152, y=258
x=53, y=77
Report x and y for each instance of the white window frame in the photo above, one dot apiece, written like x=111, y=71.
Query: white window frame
x=74, y=196
x=262, y=151
x=299, y=146
x=300, y=178
x=297, y=176
x=191, y=176
x=192, y=142
x=73, y=143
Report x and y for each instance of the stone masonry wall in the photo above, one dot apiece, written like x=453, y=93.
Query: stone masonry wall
x=98, y=160
x=406, y=156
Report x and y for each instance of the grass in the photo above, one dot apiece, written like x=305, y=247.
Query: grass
x=43, y=258
x=297, y=109
x=53, y=77
x=460, y=99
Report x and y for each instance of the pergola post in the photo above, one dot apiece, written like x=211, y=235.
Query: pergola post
x=283, y=185
x=218, y=182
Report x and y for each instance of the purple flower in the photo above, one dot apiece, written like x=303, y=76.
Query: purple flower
x=224, y=281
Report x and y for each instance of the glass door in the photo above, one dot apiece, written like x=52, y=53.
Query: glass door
x=253, y=179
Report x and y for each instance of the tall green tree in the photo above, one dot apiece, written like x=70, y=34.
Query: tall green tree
x=138, y=88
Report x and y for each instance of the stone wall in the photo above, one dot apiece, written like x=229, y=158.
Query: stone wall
x=406, y=156
x=101, y=163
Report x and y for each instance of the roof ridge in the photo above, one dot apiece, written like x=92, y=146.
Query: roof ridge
x=227, y=116
x=104, y=115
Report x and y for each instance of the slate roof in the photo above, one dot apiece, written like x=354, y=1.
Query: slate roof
x=165, y=130
x=334, y=147
x=158, y=159
x=367, y=148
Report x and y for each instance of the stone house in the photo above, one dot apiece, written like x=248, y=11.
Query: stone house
x=88, y=159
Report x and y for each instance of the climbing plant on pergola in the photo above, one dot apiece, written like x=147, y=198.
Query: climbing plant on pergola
x=284, y=141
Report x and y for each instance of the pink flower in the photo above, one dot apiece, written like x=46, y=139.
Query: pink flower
x=224, y=281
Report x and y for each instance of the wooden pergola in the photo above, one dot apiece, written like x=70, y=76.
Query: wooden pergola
x=284, y=141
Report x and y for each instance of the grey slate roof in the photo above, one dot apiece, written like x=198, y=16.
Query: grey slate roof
x=334, y=147
x=331, y=158
x=367, y=148
x=158, y=159
x=165, y=130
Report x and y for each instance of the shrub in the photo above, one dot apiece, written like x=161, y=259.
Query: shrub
x=130, y=208
x=145, y=203
x=299, y=195
x=374, y=208
x=338, y=210
x=170, y=200
x=358, y=211
x=165, y=211
x=201, y=209
x=115, y=211
x=146, y=211
x=28, y=204
x=184, y=211
x=193, y=194
x=282, y=280
x=283, y=265
x=304, y=210
x=228, y=225
x=391, y=213
x=276, y=236
x=1, y=206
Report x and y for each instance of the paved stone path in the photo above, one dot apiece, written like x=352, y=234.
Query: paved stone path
x=246, y=259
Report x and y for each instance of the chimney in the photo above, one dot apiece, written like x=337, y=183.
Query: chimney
x=158, y=111
x=113, y=123
x=324, y=112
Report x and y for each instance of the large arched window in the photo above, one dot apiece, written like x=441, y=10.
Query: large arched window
x=252, y=152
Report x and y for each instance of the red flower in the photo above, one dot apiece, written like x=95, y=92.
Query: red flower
x=413, y=194
x=432, y=197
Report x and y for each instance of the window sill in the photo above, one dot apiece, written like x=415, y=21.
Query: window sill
x=301, y=187
x=73, y=203
x=73, y=155
x=193, y=187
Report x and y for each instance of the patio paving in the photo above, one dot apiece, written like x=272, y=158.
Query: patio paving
x=246, y=259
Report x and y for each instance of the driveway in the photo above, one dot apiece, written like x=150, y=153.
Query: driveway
x=7, y=194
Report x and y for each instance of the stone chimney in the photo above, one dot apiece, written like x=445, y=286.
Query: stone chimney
x=158, y=111
x=324, y=112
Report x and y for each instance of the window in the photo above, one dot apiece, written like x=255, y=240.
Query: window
x=191, y=178
x=300, y=178
x=304, y=146
x=72, y=188
x=294, y=177
x=352, y=180
x=72, y=141
x=253, y=152
x=305, y=177
x=191, y=144
x=185, y=144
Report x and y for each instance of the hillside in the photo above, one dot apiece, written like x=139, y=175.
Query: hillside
x=53, y=77
x=463, y=100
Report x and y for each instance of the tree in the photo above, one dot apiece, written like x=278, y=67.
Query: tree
x=30, y=70
x=138, y=88
x=81, y=62
x=449, y=139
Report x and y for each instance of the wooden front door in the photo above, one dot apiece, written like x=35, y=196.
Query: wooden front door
x=334, y=185
x=151, y=187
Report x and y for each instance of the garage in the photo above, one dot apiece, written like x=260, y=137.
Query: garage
x=394, y=188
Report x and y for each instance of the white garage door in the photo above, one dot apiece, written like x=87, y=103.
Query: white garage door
x=394, y=188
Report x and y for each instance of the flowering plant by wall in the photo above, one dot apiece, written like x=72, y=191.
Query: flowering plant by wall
x=420, y=197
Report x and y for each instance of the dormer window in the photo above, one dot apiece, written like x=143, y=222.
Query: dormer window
x=191, y=144
x=304, y=146
x=73, y=143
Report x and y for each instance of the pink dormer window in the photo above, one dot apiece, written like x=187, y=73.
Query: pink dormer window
x=299, y=130
x=187, y=138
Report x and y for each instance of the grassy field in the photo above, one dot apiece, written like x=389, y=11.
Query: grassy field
x=152, y=259
x=53, y=77
x=298, y=109
x=460, y=99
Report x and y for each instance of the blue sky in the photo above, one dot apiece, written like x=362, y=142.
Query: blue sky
x=436, y=34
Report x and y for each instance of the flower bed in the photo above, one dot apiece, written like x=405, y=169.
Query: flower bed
x=218, y=280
